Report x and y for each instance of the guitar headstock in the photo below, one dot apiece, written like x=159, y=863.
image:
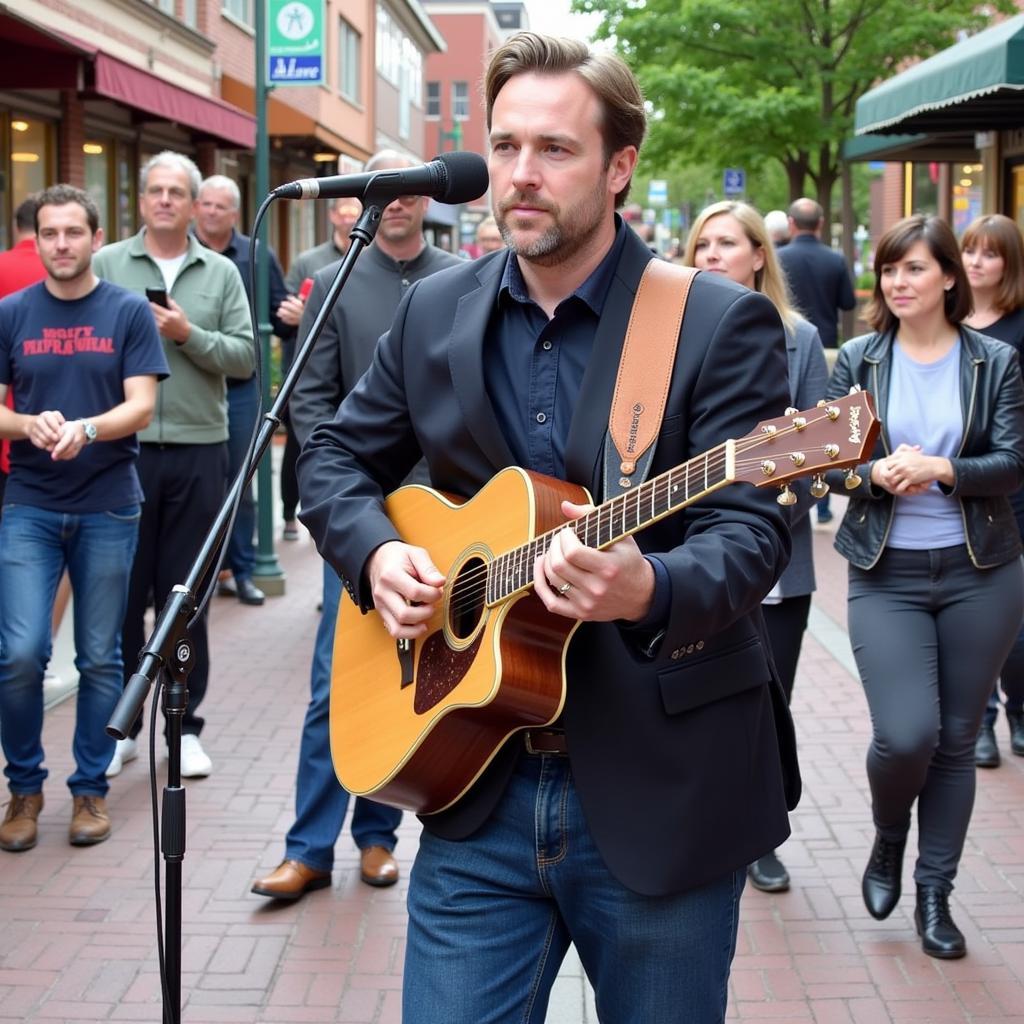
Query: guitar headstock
x=837, y=434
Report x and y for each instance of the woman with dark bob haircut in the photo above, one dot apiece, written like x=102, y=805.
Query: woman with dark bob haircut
x=936, y=588
x=992, y=250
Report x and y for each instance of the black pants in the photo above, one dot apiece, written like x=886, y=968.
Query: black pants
x=929, y=632
x=289, y=478
x=184, y=488
x=786, y=623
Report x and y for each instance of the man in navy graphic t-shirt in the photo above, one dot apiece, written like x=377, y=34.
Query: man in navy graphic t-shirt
x=82, y=357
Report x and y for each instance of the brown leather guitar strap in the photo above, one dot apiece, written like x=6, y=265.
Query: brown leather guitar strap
x=645, y=371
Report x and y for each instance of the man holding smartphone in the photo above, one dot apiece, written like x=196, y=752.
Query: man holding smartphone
x=183, y=459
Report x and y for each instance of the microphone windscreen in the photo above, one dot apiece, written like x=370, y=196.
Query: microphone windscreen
x=467, y=177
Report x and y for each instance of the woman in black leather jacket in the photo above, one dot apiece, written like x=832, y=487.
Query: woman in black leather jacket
x=936, y=588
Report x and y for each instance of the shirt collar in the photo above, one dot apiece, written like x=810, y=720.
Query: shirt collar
x=592, y=291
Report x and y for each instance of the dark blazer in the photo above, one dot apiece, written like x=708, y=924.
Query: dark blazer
x=988, y=467
x=684, y=760
x=819, y=282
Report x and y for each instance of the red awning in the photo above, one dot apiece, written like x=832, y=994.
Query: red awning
x=116, y=80
x=37, y=57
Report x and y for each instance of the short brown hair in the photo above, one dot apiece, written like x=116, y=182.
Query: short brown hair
x=61, y=195
x=623, y=118
x=997, y=232
x=941, y=242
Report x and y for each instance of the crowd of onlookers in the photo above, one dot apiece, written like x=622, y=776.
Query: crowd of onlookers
x=127, y=375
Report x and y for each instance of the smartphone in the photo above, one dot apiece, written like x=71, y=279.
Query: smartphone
x=159, y=296
x=305, y=288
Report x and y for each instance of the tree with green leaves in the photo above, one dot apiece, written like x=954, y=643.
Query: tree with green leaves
x=735, y=81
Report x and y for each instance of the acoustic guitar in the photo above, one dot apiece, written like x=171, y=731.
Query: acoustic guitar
x=414, y=723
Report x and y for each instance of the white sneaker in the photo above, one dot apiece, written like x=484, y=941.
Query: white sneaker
x=124, y=751
x=194, y=762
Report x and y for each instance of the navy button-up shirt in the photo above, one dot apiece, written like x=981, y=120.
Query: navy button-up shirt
x=533, y=366
x=551, y=356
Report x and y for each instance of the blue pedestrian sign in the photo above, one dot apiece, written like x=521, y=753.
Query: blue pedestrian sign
x=734, y=181
x=295, y=42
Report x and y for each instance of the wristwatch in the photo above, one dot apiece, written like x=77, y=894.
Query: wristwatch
x=89, y=429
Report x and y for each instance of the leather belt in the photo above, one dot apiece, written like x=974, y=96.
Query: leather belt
x=545, y=741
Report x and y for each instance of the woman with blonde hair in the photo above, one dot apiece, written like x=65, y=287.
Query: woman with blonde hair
x=730, y=238
x=992, y=251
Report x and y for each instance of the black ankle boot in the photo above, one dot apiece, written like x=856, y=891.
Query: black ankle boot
x=940, y=937
x=986, y=750
x=1016, y=720
x=880, y=886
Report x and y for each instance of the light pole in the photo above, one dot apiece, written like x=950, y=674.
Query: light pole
x=267, y=570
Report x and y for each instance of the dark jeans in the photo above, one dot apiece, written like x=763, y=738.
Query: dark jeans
x=491, y=918
x=184, y=488
x=243, y=408
x=786, y=623
x=929, y=632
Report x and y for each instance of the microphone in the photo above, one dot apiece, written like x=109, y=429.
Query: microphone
x=450, y=178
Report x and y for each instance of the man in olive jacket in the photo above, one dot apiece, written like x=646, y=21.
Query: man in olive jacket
x=203, y=320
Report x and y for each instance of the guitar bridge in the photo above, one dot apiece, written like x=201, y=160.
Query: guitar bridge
x=404, y=649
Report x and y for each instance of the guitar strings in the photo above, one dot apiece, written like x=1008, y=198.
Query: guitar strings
x=469, y=591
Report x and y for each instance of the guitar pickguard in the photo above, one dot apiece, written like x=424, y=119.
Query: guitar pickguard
x=441, y=670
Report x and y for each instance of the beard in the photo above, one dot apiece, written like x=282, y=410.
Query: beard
x=571, y=230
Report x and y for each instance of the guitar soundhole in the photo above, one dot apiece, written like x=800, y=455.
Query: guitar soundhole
x=468, y=598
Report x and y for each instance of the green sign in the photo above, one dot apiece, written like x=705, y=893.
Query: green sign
x=296, y=48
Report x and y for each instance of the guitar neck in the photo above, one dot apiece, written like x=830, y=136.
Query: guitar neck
x=619, y=517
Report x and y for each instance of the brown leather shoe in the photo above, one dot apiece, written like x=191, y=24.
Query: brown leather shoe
x=290, y=880
x=90, y=823
x=19, y=830
x=377, y=866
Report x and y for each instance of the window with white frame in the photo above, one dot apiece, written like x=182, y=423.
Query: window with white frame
x=433, y=101
x=350, y=61
x=239, y=9
x=460, y=101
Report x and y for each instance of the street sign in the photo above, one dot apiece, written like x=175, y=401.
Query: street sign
x=734, y=181
x=295, y=42
x=657, y=192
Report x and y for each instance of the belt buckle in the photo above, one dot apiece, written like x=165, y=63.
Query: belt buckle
x=531, y=749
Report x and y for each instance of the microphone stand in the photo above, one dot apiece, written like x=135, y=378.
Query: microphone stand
x=168, y=656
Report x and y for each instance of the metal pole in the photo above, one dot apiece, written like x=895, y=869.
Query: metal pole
x=267, y=571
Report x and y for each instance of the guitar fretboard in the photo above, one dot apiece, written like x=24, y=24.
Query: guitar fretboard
x=616, y=518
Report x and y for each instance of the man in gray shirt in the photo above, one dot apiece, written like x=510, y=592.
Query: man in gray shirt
x=385, y=270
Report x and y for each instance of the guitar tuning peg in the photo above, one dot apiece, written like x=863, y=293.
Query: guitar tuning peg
x=821, y=404
x=852, y=481
x=855, y=389
x=786, y=496
x=791, y=410
x=818, y=486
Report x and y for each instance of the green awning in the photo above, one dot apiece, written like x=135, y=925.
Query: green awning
x=951, y=148
x=976, y=85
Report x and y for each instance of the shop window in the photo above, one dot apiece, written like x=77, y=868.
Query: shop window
x=1016, y=193
x=98, y=158
x=967, y=195
x=30, y=156
x=925, y=194
x=125, y=178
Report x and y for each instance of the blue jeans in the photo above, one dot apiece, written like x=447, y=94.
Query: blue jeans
x=320, y=801
x=243, y=408
x=35, y=547
x=491, y=917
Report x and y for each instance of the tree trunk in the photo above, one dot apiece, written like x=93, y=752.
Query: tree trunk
x=848, y=320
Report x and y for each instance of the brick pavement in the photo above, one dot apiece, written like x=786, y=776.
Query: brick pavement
x=76, y=925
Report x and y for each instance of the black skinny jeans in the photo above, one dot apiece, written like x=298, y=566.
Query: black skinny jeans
x=930, y=633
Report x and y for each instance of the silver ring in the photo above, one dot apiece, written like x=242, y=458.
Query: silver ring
x=564, y=589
